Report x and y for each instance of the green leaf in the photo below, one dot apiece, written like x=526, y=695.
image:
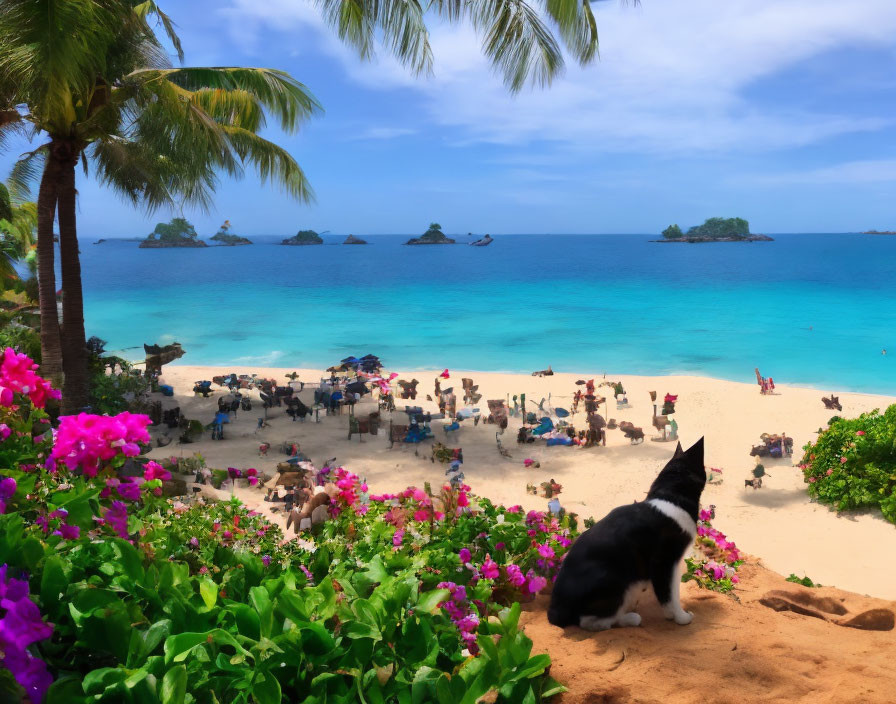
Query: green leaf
x=53, y=583
x=429, y=601
x=32, y=552
x=66, y=690
x=267, y=690
x=174, y=685
x=208, y=590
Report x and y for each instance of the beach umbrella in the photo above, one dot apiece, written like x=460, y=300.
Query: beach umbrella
x=358, y=387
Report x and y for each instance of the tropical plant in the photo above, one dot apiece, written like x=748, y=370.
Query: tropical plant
x=852, y=464
x=91, y=80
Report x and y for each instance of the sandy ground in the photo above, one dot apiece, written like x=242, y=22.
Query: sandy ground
x=777, y=523
x=735, y=650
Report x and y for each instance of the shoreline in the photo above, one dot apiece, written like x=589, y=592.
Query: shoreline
x=242, y=367
x=778, y=523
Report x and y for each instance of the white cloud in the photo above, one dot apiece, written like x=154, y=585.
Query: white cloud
x=671, y=79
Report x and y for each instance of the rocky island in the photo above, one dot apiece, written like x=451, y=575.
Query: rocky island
x=351, y=239
x=303, y=237
x=177, y=233
x=879, y=232
x=226, y=239
x=433, y=235
x=714, y=230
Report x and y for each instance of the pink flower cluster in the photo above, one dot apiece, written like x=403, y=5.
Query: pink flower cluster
x=56, y=521
x=250, y=474
x=20, y=626
x=462, y=614
x=18, y=376
x=7, y=491
x=85, y=440
x=412, y=504
x=712, y=537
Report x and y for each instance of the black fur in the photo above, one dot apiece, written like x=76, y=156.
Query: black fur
x=630, y=544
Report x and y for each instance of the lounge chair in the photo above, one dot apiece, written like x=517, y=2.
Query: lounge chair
x=546, y=425
x=358, y=426
x=203, y=387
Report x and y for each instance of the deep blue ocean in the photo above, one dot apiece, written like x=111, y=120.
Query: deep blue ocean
x=806, y=309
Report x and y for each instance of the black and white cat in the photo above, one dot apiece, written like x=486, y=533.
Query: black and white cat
x=632, y=546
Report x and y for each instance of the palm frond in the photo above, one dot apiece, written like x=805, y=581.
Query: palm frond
x=148, y=7
x=283, y=96
x=576, y=25
x=5, y=203
x=25, y=172
x=400, y=22
x=271, y=162
x=519, y=44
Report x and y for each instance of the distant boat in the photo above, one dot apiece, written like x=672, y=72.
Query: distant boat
x=484, y=242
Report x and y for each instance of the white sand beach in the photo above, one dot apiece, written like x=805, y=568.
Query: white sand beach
x=777, y=524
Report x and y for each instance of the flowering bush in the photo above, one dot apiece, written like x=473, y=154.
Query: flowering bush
x=151, y=598
x=716, y=568
x=852, y=464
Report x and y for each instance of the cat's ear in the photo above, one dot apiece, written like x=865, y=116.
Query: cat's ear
x=695, y=452
x=678, y=452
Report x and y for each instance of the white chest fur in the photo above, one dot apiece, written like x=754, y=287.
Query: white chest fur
x=676, y=513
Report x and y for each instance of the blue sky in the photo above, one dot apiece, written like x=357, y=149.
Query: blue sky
x=779, y=111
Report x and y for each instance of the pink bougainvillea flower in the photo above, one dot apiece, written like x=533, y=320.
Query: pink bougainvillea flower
x=86, y=440
x=68, y=532
x=811, y=480
x=515, y=509
x=546, y=551
x=7, y=491
x=128, y=491
x=462, y=499
x=500, y=546
x=860, y=432
x=842, y=460
x=251, y=472
x=153, y=470
x=398, y=537
x=253, y=481
x=266, y=560
x=489, y=569
x=515, y=575
x=421, y=515
x=203, y=570
x=18, y=376
x=536, y=582
x=464, y=556
x=116, y=516
x=194, y=542
x=5, y=431
x=829, y=472
x=445, y=374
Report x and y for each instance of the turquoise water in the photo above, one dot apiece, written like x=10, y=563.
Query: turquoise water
x=806, y=309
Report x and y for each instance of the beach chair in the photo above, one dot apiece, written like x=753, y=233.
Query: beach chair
x=832, y=403
x=546, y=425
x=397, y=433
x=358, y=426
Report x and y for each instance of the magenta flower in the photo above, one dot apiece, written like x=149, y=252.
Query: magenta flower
x=421, y=514
x=536, y=582
x=546, y=551
x=7, y=491
x=116, y=516
x=227, y=535
x=515, y=575
x=17, y=375
x=203, y=570
x=462, y=499
x=266, y=560
x=5, y=431
x=500, y=546
x=465, y=556
x=68, y=532
x=86, y=440
x=860, y=432
x=128, y=491
x=153, y=470
x=194, y=542
x=234, y=473
x=842, y=460
x=253, y=481
x=398, y=537
x=21, y=625
x=489, y=569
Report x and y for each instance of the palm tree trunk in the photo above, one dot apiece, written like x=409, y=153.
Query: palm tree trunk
x=75, y=396
x=50, y=342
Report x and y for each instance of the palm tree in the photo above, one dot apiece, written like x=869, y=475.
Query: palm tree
x=18, y=222
x=93, y=80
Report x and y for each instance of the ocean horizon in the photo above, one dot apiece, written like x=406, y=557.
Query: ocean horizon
x=807, y=309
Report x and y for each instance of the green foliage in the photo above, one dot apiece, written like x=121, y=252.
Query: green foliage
x=306, y=236
x=115, y=385
x=672, y=232
x=721, y=227
x=852, y=464
x=22, y=339
x=805, y=581
x=178, y=230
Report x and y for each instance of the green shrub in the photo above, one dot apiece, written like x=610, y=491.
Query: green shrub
x=852, y=465
x=805, y=581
